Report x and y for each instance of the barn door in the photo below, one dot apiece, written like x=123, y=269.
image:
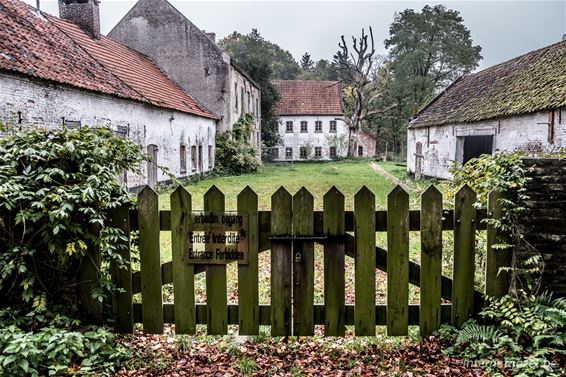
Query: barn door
x=152, y=165
x=419, y=161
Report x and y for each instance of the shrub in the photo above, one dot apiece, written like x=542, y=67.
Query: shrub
x=234, y=153
x=29, y=348
x=56, y=187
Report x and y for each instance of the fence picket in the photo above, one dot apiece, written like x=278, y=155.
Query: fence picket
x=216, y=290
x=364, y=215
x=183, y=272
x=464, y=255
x=431, y=261
x=334, y=279
x=496, y=281
x=398, y=262
x=303, y=267
x=150, y=263
x=122, y=276
x=248, y=296
x=281, y=207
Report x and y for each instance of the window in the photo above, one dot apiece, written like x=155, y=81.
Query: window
x=257, y=106
x=236, y=95
x=332, y=152
x=317, y=152
x=289, y=126
x=194, y=158
x=183, y=158
x=242, y=95
x=275, y=153
x=200, y=157
x=210, y=157
x=318, y=126
x=360, y=150
x=475, y=146
x=303, y=152
x=332, y=126
x=304, y=126
x=288, y=153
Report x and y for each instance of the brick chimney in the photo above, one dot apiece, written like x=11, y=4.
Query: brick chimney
x=84, y=13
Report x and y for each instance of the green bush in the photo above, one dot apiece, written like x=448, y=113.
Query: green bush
x=234, y=153
x=30, y=348
x=527, y=333
x=56, y=187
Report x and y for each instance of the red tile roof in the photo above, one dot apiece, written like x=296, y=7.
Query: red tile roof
x=309, y=97
x=52, y=49
x=532, y=82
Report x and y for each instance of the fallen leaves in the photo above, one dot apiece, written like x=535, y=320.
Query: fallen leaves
x=170, y=355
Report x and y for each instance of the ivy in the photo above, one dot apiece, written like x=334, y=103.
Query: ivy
x=234, y=153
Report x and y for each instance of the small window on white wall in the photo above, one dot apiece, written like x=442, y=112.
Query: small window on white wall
x=289, y=126
x=183, y=158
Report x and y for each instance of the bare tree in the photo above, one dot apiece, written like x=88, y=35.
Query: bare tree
x=358, y=68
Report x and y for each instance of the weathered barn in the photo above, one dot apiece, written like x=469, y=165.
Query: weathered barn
x=311, y=122
x=191, y=57
x=515, y=105
x=56, y=72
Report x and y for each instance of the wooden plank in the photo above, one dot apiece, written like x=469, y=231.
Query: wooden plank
x=150, y=263
x=334, y=279
x=303, y=267
x=183, y=272
x=464, y=256
x=122, y=275
x=248, y=296
x=281, y=225
x=397, y=262
x=380, y=221
x=318, y=310
x=431, y=261
x=88, y=275
x=496, y=280
x=216, y=290
x=364, y=215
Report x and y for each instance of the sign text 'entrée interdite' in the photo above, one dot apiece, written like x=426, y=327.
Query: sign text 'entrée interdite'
x=218, y=238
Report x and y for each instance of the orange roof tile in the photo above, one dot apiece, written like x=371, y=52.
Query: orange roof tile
x=309, y=97
x=56, y=50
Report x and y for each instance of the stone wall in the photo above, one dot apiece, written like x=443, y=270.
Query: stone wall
x=27, y=102
x=442, y=145
x=544, y=224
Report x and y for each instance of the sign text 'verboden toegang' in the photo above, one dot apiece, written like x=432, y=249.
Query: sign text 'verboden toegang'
x=218, y=238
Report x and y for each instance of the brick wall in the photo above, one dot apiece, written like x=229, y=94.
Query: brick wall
x=545, y=221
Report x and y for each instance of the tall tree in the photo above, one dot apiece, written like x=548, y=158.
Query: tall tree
x=428, y=50
x=358, y=65
x=306, y=62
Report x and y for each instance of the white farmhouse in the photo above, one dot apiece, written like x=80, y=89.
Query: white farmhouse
x=62, y=73
x=311, y=122
x=515, y=105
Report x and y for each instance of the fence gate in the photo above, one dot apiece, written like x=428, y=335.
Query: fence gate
x=290, y=230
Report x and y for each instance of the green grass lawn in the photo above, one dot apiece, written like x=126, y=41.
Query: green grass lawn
x=318, y=178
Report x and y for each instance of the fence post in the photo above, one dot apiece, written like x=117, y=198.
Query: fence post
x=464, y=255
x=281, y=213
x=150, y=263
x=183, y=272
x=398, y=262
x=303, y=268
x=334, y=279
x=364, y=219
x=122, y=276
x=496, y=281
x=248, y=296
x=216, y=290
x=89, y=273
x=431, y=261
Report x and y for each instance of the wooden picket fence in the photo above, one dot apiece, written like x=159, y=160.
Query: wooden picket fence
x=290, y=230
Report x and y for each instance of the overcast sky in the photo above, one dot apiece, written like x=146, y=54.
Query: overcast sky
x=504, y=29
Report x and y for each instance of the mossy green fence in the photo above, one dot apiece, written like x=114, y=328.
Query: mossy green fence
x=290, y=230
